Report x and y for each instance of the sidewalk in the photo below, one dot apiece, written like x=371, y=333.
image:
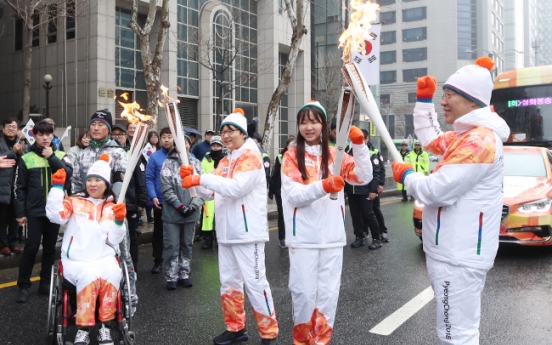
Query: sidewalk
x=12, y=261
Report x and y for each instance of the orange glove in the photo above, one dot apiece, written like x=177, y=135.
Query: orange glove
x=333, y=184
x=58, y=178
x=356, y=135
x=120, y=212
x=186, y=170
x=401, y=170
x=426, y=88
x=190, y=181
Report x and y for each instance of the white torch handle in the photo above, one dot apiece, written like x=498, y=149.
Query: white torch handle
x=136, y=146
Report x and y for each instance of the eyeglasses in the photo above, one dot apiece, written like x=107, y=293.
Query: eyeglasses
x=447, y=95
x=118, y=135
x=10, y=126
x=228, y=132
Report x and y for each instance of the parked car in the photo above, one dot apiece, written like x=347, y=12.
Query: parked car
x=526, y=212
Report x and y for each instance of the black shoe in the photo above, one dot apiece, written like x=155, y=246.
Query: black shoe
x=23, y=296
x=198, y=238
x=404, y=199
x=269, y=341
x=156, y=269
x=359, y=242
x=384, y=237
x=227, y=337
x=283, y=244
x=138, y=231
x=171, y=286
x=150, y=221
x=366, y=235
x=375, y=244
x=207, y=243
x=44, y=289
x=185, y=282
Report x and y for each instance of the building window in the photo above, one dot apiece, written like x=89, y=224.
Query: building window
x=188, y=48
x=36, y=29
x=385, y=2
x=412, y=97
x=284, y=106
x=411, y=75
x=385, y=98
x=467, y=29
x=388, y=37
x=415, y=34
x=18, y=34
x=388, y=77
x=408, y=125
x=388, y=57
x=388, y=17
x=70, y=20
x=52, y=23
x=391, y=124
x=416, y=54
x=413, y=14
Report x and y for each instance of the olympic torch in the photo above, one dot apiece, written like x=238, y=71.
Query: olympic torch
x=132, y=114
x=175, y=125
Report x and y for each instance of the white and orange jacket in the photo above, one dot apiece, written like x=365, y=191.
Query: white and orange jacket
x=88, y=237
x=239, y=187
x=463, y=196
x=312, y=219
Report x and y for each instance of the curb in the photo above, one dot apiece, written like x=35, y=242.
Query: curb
x=145, y=237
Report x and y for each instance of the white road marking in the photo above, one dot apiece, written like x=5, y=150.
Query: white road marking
x=395, y=320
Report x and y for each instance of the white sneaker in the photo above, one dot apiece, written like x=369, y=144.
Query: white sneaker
x=104, y=336
x=82, y=338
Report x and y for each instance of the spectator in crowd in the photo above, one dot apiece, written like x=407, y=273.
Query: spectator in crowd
x=203, y=147
x=462, y=198
x=153, y=178
x=153, y=139
x=83, y=141
x=266, y=159
x=136, y=195
x=131, y=129
x=33, y=180
x=315, y=229
x=208, y=165
x=57, y=142
x=87, y=252
x=23, y=139
x=239, y=185
x=404, y=152
x=194, y=139
x=380, y=176
x=10, y=151
x=419, y=159
x=181, y=213
x=274, y=190
x=361, y=203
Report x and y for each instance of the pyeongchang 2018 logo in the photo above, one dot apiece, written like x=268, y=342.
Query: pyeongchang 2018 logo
x=256, y=267
x=446, y=308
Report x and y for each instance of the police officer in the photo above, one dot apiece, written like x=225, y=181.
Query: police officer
x=404, y=154
x=419, y=160
x=379, y=166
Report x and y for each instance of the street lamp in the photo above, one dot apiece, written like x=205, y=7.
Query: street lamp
x=47, y=80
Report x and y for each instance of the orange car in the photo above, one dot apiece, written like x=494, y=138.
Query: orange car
x=526, y=212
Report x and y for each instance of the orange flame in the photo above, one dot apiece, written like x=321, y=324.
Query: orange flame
x=125, y=96
x=132, y=113
x=352, y=39
x=166, y=99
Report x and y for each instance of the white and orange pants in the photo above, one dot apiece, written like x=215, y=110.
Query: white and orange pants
x=243, y=265
x=95, y=281
x=314, y=281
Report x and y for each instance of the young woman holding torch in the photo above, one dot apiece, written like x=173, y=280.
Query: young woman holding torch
x=315, y=224
x=239, y=187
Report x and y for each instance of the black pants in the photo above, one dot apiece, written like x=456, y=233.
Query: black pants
x=157, y=240
x=363, y=216
x=379, y=215
x=281, y=223
x=38, y=228
x=132, y=219
x=8, y=226
x=404, y=196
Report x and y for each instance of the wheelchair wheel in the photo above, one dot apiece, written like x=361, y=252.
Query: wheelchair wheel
x=54, y=336
x=126, y=325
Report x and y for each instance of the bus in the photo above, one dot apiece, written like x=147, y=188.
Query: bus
x=523, y=98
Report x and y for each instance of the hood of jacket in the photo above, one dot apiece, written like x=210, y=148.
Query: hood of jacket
x=483, y=117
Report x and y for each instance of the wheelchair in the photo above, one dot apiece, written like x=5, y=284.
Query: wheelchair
x=62, y=308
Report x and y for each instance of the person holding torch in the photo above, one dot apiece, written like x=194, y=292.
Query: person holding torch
x=315, y=224
x=462, y=197
x=239, y=187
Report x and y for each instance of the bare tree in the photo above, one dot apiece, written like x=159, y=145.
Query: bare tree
x=151, y=60
x=329, y=80
x=36, y=14
x=296, y=14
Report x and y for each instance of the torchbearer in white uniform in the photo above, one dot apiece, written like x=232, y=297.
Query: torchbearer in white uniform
x=462, y=197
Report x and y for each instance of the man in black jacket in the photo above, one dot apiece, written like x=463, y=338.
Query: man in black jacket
x=136, y=196
x=11, y=150
x=361, y=206
x=33, y=180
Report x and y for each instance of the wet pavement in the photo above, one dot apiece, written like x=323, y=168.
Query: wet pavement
x=516, y=306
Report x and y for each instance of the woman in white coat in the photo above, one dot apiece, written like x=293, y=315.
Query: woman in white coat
x=315, y=224
x=239, y=187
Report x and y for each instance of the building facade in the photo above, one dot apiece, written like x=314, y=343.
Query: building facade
x=218, y=55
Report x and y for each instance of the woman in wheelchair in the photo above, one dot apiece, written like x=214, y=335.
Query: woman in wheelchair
x=95, y=227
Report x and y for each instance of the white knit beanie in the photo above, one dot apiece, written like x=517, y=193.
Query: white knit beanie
x=101, y=169
x=474, y=82
x=236, y=119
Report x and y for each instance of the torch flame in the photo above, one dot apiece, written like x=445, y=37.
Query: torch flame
x=352, y=39
x=132, y=113
x=166, y=99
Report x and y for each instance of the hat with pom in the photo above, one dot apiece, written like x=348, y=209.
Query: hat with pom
x=236, y=119
x=474, y=82
x=101, y=169
x=316, y=104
